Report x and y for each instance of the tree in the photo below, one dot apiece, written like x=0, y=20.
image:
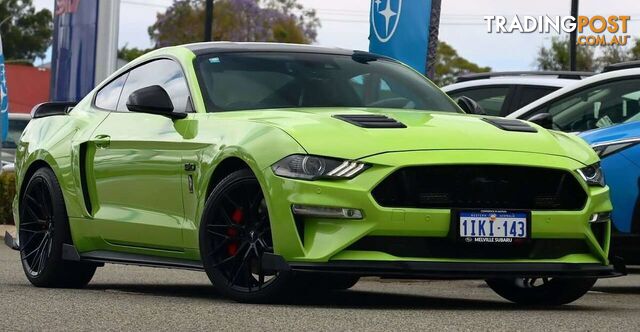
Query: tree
x=128, y=54
x=236, y=20
x=26, y=34
x=634, y=52
x=450, y=65
x=556, y=57
x=612, y=54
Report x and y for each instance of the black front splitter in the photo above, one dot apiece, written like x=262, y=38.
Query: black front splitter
x=448, y=270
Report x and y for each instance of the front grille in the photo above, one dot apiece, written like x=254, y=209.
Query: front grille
x=481, y=187
x=431, y=247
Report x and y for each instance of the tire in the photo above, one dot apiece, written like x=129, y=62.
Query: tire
x=325, y=281
x=541, y=291
x=43, y=229
x=234, y=233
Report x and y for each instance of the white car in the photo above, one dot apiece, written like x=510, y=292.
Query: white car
x=501, y=93
x=599, y=101
x=17, y=123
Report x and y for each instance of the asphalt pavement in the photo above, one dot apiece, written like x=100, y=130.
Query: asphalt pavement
x=137, y=298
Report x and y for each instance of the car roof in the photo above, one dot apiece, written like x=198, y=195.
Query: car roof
x=576, y=86
x=544, y=81
x=221, y=47
x=19, y=116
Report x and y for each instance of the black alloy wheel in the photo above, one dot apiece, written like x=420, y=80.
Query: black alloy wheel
x=235, y=233
x=541, y=291
x=36, y=227
x=42, y=232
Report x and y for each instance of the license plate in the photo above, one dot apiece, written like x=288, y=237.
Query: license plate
x=493, y=226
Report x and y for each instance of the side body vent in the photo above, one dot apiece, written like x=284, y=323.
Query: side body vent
x=511, y=125
x=370, y=121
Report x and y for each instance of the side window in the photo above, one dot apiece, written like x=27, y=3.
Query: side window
x=107, y=97
x=490, y=98
x=529, y=94
x=597, y=107
x=165, y=73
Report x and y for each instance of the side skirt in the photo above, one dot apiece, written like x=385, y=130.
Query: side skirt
x=70, y=253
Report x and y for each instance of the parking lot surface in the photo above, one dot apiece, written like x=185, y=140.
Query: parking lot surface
x=128, y=298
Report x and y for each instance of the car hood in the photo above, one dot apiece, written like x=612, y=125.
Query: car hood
x=613, y=133
x=321, y=133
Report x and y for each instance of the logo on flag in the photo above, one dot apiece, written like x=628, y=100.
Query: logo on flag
x=385, y=15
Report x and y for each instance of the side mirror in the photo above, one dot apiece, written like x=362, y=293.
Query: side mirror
x=544, y=120
x=470, y=106
x=153, y=100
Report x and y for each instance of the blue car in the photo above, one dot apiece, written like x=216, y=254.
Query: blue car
x=619, y=149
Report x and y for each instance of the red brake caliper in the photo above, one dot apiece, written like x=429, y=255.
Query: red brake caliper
x=236, y=217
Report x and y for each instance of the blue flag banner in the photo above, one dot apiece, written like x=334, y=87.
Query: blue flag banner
x=4, y=98
x=400, y=29
x=75, y=28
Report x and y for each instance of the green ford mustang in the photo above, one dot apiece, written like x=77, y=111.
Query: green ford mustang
x=274, y=166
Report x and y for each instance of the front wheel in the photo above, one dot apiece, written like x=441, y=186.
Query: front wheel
x=234, y=234
x=541, y=291
x=43, y=230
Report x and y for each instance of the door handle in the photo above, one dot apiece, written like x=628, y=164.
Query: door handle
x=102, y=141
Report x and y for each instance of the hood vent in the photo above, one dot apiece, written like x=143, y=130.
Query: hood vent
x=370, y=121
x=511, y=125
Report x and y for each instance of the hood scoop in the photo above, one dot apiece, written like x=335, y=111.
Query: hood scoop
x=511, y=125
x=370, y=120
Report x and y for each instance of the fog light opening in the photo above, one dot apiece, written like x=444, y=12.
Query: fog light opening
x=600, y=217
x=326, y=212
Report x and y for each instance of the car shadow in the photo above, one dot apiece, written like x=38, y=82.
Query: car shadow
x=350, y=299
x=630, y=290
x=168, y=290
x=394, y=301
x=633, y=269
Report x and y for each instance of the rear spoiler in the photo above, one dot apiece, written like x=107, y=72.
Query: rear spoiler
x=52, y=108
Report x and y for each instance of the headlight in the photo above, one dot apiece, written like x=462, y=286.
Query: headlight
x=592, y=175
x=309, y=167
x=605, y=149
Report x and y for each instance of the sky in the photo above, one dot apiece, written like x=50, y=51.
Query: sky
x=345, y=23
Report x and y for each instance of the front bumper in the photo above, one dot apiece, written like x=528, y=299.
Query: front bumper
x=303, y=241
x=444, y=270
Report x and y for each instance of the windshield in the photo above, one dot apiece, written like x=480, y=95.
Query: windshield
x=265, y=80
x=599, y=106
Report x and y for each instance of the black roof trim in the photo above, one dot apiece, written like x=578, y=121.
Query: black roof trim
x=511, y=125
x=622, y=65
x=370, y=120
x=223, y=47
x=572, y=75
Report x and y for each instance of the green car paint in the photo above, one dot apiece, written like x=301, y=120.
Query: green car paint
x=131, y=194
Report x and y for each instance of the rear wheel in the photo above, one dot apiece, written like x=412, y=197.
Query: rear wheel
x=234, y=234
x=541, y=291
x=43, y=229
